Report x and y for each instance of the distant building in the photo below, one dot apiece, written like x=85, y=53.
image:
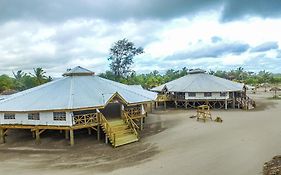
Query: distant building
x=198, y=88
x=78, y=100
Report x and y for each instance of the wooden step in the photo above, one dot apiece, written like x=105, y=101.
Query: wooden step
x=125, y=140
x=116, y=122
x=122, y=132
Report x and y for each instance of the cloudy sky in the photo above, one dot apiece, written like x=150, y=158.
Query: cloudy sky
x=208, y=34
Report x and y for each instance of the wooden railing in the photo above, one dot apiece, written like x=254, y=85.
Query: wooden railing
x=134, y=112
x=162, y=97
x=130, y=122
x=246, y=102
x=85, y=119
x=108, y=130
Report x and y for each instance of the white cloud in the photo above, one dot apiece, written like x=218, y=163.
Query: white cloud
x=86, y=42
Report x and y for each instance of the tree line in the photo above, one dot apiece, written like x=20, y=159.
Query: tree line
x=22, y=81
x=121, y=56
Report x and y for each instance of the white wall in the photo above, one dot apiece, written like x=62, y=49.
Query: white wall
x=46, y=118
x=200, y=95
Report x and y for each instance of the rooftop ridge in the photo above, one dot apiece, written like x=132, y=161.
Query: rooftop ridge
x=78, y=71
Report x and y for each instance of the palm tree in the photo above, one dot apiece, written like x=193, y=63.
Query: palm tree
x=19, y=75
x=39, y=75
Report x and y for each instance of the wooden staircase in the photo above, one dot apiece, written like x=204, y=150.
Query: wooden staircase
x=118, y=131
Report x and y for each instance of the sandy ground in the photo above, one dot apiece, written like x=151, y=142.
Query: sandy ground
x=172, y=143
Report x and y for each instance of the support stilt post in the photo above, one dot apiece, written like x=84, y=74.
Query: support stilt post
x=66, y=134
x=225, y=104
x=2, y=136
x=233, y=100
x=37, y=137
x=71, y=133
x=98, y=131
x=141, y=122
x=165, y=105
x=185, y=104
x=106, y=139
x=89, y=131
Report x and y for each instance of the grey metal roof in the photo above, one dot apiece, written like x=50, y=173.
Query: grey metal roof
x=74, y=92
x=2, y=97
x=136, y=86
x=200, y=82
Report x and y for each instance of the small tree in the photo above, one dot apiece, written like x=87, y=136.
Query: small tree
x=121, y=57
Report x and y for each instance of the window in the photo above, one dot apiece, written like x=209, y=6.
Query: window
x=9, y=116
x=223, y=94
x=207, y=94
x=33, y=116
x=191, y=94
x=59, y=116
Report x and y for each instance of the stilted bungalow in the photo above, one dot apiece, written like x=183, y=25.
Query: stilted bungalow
x=199, y=88
x=79, y=100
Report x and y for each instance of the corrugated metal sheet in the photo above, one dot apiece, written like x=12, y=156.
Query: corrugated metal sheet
x=136, y=86
x=200, y=82
x=72, y=92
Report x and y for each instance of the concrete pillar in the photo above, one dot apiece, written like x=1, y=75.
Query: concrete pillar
x=71, y=133
x=165, y=105
x=151, y=108
x=66, y=134
x=225, y=104
x=185, y=104
x=156, y=105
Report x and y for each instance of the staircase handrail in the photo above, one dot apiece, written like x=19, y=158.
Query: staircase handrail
x=107, y=128
x=130, y=122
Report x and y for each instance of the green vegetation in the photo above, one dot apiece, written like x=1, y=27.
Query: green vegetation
x=22, y=81
x=155, y=78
